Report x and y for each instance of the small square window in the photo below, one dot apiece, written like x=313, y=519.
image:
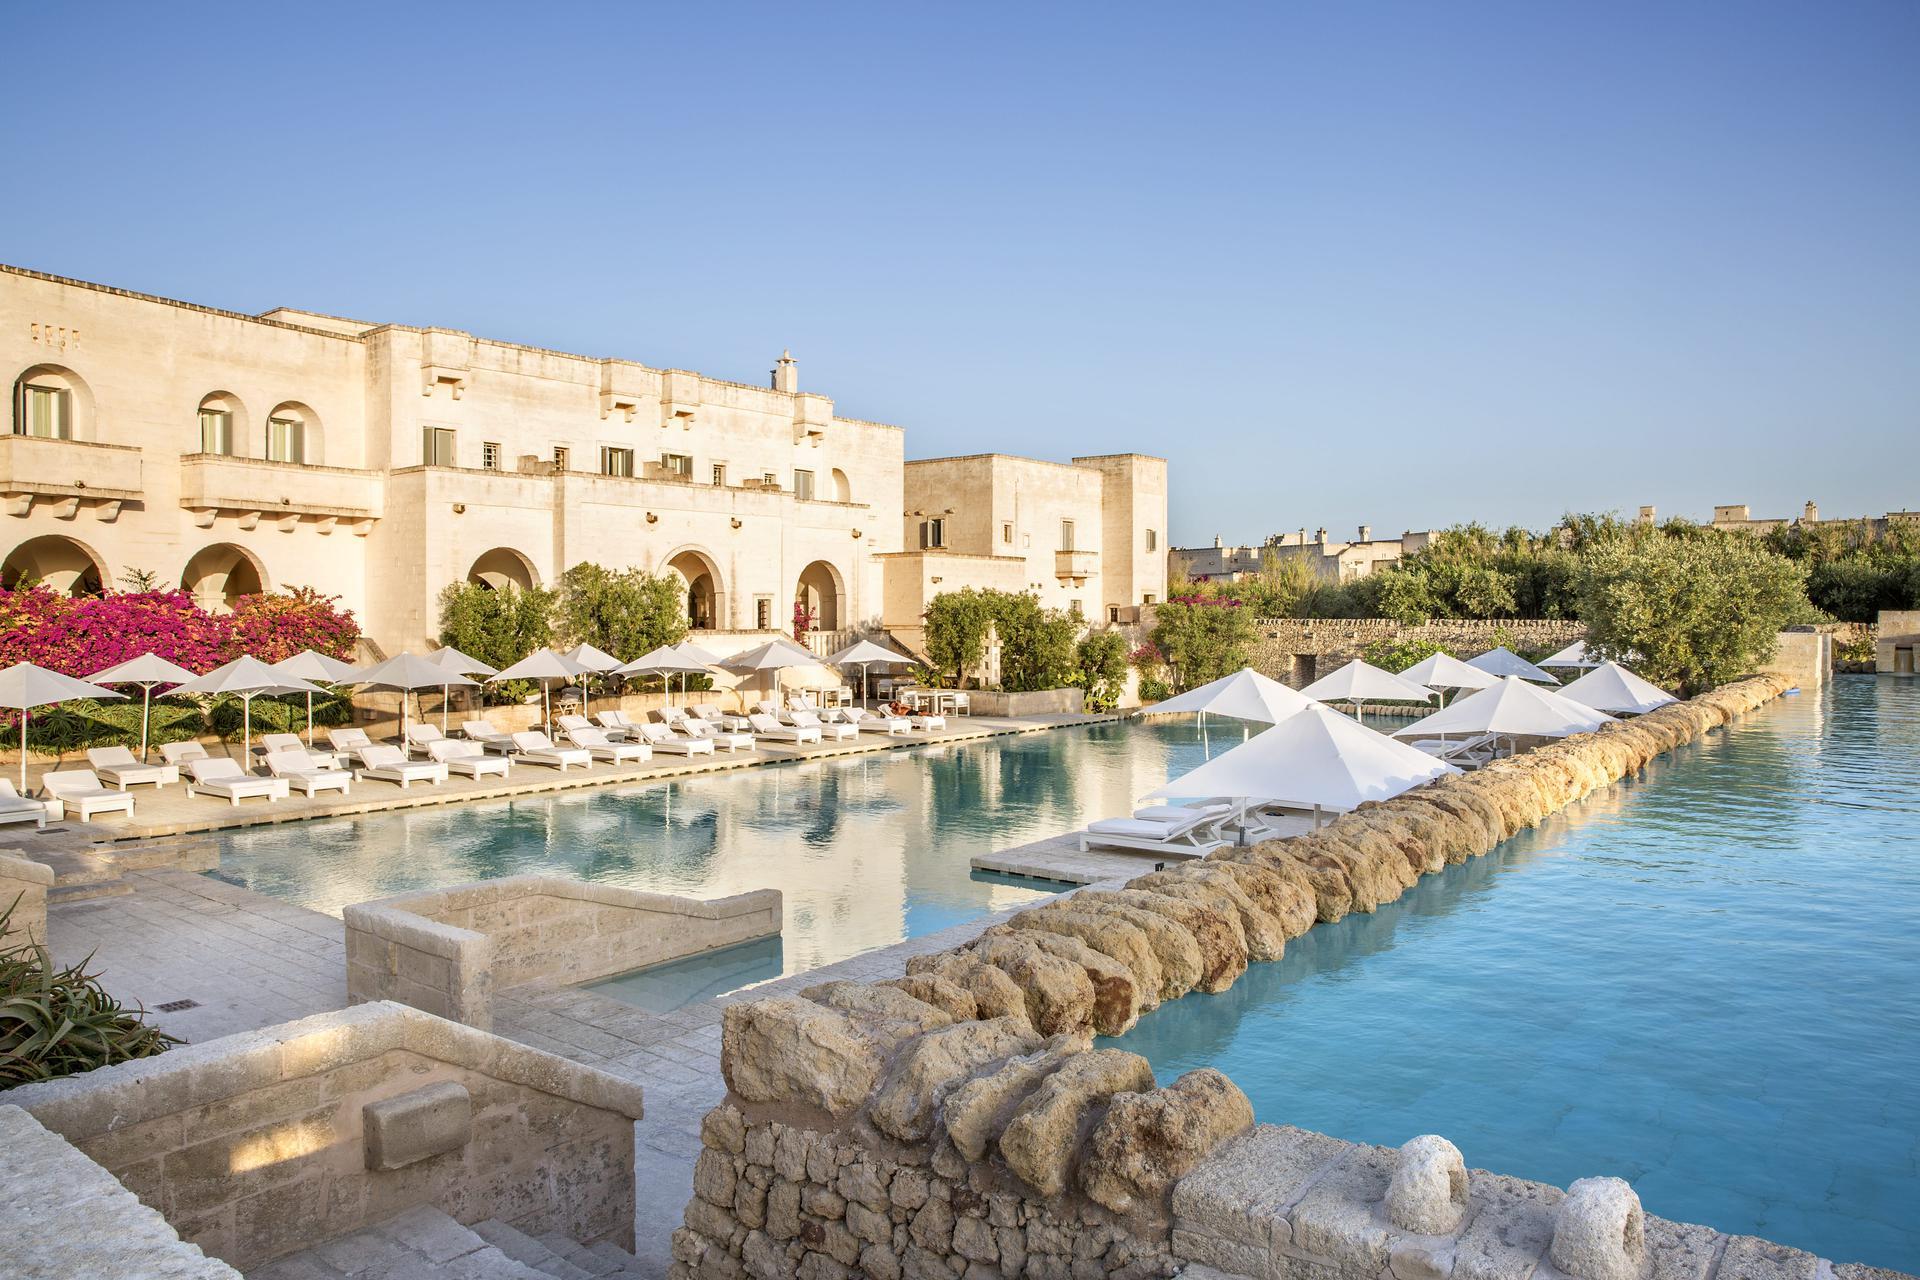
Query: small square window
x=763, y=612
x=560, y=457
x=490, y=456
x=216, y=431
x=678, y=465
x=1066, y=535
x=1006, y=533
x=436, y=447
x=719, y=475
x=1153, y=540
x=803, y=485
x=615, y=462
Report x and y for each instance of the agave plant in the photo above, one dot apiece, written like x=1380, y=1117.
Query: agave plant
x=59, y=1021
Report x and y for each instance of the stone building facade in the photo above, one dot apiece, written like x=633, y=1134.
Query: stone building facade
x=1327, y=558
x=231, y=453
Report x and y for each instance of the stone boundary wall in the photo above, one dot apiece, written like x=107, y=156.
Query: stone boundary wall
x=1036, y=702
x=448, y=950
x=261, y=1144
x=1298, y=651
x=28, y=881
x=956, y=1119
x=63, y=1215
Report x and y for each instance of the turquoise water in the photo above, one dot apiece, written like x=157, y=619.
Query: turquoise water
x=867, y=849
x=1701, y=981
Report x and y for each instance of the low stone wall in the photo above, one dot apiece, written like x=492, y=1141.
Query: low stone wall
x=1298, y=651
x=261, y=1144
x=23, y=886
x=957, y=1119
x=1036, y=702
x=447, y=950
x=63, y=1215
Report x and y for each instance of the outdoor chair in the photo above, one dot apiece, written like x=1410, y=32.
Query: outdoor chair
x=388, y=764
x=715, y=716
x=878, y=722
x=220, y=776
x=765, y=726
x=601, y=747
x=422, y=736
x=118, y=766
x=533, y=747
x=616, y=724
x=179, y=753
x=469, y=758
x=291, y=742
x=15, y=807
x=80, y=794
x=297, y=769
x=1187, y=831
x=487, y=736
x=700, y=730
x=828, y=732
x=661, y=738
x=350, y=743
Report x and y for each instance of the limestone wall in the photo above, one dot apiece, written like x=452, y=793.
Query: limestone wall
x=1300, y=650
x=970, y=1081
x=447, y=950
x=23, y=887
x=1035, y=702
x=261, y=1144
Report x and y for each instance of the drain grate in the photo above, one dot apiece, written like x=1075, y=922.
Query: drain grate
x=176, y=1006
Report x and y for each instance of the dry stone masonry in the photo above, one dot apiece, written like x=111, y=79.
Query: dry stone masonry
x=958, y=1122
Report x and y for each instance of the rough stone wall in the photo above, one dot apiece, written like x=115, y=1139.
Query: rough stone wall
x=23, y=887
x=447, y=950
x=257, y=1145
x=977, y=1066
x=1334, y=642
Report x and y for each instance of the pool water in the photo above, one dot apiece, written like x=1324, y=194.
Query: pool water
x=1701, y=981
x=868, y=849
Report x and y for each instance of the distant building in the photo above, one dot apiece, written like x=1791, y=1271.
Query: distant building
x=1329, y=560
x=1738, y=516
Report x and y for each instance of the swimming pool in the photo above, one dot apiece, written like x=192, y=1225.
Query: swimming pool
x=1701, y=981
x=867, y=849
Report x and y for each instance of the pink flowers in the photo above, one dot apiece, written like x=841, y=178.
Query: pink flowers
x=80, y=635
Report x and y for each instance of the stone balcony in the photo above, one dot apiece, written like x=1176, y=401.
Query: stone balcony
x=253, y=489
x=1076, y=566
x=65, y=474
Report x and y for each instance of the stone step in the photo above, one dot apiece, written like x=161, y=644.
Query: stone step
x=421, y=1244
x=82, y=890
x=599, y=1260
x=523, y=1248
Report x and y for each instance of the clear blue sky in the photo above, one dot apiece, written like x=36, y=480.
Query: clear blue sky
x=1403, y=263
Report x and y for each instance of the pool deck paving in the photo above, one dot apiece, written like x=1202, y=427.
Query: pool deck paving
x=245, y=961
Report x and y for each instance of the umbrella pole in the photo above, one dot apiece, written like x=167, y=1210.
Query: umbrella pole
x=246, y=731
x=146, y=710
x=23, y=750
x=309, y=717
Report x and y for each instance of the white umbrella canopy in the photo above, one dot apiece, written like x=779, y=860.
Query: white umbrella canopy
x=1574, y=655
x=1502, y=661
x=864, y=654
x=1444, y=671
x=24, y=686
x=772, y=657
x=1244, y=695
x=598, y=661
x=1513, y=708
x=148, y=671
x=309, y=664
x=1611, y=687
x=409, y=673
x=247, y=677
x=1361, y=682
x=1316, y=758
x=454, y=660
x=693, y=652
x=542, y=665
x=666, y=661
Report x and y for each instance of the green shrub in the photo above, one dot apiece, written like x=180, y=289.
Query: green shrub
x=499, y=628
x=1100, y=668
x=1202, y=636
x=624, y=612
x=1036, y=644
x=1154, y=689
x=1398, y=655
x=57, y=1021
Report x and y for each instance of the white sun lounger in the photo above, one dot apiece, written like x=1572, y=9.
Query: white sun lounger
x=179, y=753
x=601, y=747
x=715, y=716
x=219, y=776
x=320, y=760
x=616, y=724
x=533, y=747
x=469, y=758
x=1181, y=830
x=828, y=732
x=80, y=794
x=765, y=726
x=423, y=736
x=388, y=764
x=567, y=724
x=297, y=769
x=694, y=727
x=1468, y=753
x=664, y=739
x=350, y=743
x=487, y=736
x=118, y=766
x=878, y=722
x=15, y=807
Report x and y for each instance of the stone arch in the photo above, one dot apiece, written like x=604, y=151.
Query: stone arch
x=58, y=562
x=706, y=599
x=71, y=401
x=305, y=426
x=503, y=567
x=239, y=427
x=218, y=575
x=842, y=487
x=822, y=590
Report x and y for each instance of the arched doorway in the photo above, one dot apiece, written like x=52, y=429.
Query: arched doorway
x=705, y=600
x=819, y=592
x=55, y=562
x=220, y=574
x=504, y=567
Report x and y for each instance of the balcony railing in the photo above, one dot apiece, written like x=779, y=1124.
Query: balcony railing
x=223, y=482
x=68, y=468
x=1076, y=565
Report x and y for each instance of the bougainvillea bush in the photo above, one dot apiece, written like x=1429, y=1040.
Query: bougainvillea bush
x=79, y=635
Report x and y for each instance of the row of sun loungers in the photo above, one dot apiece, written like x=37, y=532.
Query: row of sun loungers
x=1193, y=831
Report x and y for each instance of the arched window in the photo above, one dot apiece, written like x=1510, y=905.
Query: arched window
x=293, y=434
x=842, y=491
x=222, y=423
x=51, y=403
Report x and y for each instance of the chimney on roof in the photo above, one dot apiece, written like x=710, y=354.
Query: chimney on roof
x=1646, y=515
x=1320, y=535
x=1366, y=533
x=786, y=373
x=1810, y=514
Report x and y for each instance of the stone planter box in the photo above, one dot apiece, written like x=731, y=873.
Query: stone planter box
x=1039, y=702
x=448, y=950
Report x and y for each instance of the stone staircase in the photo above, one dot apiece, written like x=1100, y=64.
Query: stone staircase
x=426, y=1244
